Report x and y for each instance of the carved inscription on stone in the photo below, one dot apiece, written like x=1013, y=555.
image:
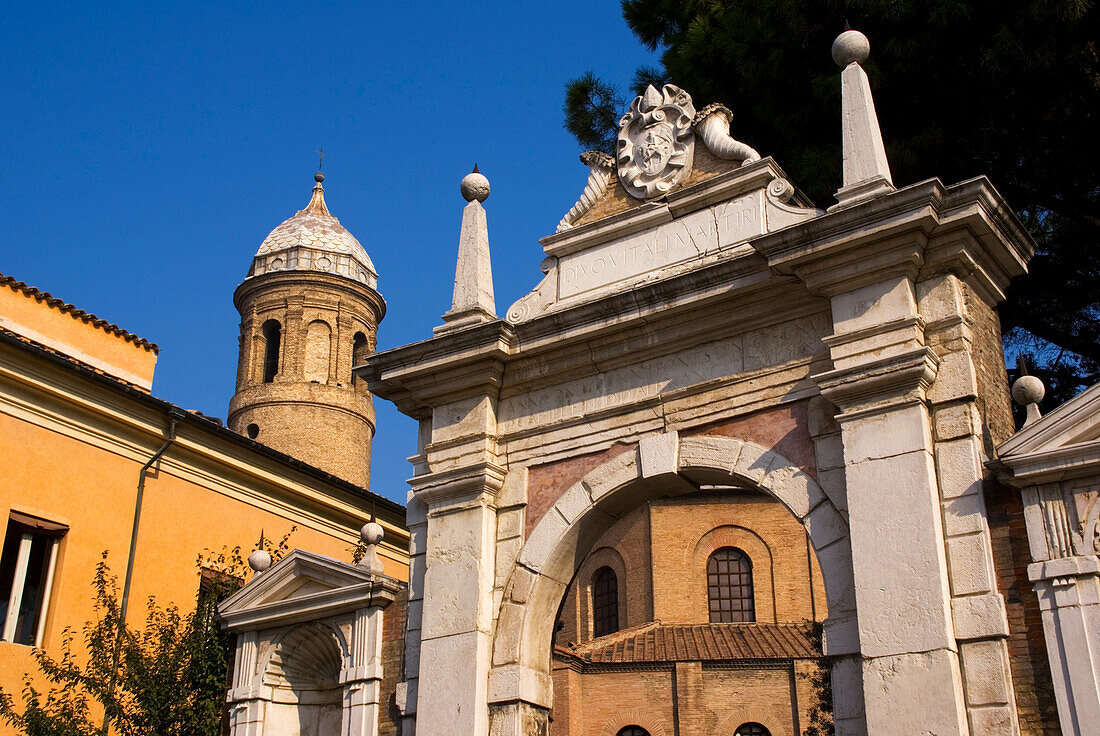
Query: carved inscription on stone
x=645, y=380
x=691, y=236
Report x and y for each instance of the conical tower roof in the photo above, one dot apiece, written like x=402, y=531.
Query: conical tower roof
x=314, y=240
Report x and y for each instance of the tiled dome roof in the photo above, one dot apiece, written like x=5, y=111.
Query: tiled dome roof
x=314, y=240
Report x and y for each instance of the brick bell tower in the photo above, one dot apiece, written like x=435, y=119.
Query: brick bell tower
x=310, y=310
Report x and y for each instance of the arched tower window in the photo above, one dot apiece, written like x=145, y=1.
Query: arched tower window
x=632, y=731
x=605, y=602
x=751, y=729
x=359, y=350
x=729, y=587
x=272, y=333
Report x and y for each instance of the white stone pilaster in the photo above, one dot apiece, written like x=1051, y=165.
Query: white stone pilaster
x=882, y=370
x=455, y=640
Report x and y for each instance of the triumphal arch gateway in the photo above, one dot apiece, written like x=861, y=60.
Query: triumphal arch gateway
x=728, y=438
x=700, y=326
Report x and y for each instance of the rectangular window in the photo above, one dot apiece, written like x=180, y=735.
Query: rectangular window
x=26, y=576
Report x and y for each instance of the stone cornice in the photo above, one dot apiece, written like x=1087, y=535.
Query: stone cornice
x=352, y=589
x=965, y=227
x=451, y=366
x=874, y=385
x=1062, y=463
x=459, y=485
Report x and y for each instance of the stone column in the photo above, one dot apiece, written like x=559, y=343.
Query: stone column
x=1066, y=577
x=882, y=371
x=245, y=697
x=362, y=680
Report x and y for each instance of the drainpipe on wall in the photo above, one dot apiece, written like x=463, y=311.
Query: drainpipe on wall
x=174, y=415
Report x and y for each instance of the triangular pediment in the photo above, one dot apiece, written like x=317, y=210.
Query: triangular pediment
x=299, y=583
x=1076, y=422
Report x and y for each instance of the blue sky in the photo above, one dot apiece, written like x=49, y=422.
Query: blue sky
x=149, y=148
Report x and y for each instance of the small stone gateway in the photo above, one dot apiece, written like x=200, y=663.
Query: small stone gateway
x=309, y=644
x=692, y=302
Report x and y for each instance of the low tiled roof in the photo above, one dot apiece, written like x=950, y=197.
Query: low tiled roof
x=657, y=642
x=65, y=308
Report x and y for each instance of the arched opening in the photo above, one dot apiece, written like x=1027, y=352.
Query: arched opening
x=801, y=536
x=632, y=731
x=318, y=351
x=303, y=671
x=272, y=332
x=751, y=729
x=729, y=587
x=359, y=351
x=605, y=602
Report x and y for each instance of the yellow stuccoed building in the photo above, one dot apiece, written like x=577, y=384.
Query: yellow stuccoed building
x=82, y=438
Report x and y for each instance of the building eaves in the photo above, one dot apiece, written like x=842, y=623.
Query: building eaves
x=65, y=308
x=656, y=642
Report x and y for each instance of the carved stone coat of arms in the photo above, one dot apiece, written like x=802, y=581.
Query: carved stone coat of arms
x=656, y=142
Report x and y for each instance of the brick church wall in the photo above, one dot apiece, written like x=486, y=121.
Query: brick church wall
x=1027, y=649
x=393, y=661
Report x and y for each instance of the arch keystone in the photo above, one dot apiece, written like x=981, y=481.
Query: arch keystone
x=659, y=454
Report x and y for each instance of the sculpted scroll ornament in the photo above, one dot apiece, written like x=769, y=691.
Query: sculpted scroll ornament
x=656, y=142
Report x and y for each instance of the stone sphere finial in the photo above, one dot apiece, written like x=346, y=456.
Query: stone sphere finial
x=475, y=186
x=371, y=533
x=1028, y=390
x=850, y=46
x=259, y=560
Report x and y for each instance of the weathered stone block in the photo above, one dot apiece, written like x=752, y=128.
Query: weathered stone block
x=825, y=526
x=964, y=515
x=979, y=616
x=985, y=672
x=657, y=454
x=544, y=537
x=510, y=522
x=752, y=463
x=612, y=475
x=958, y=468
x=574, y=502
x=969, y=564
x=829, y=452
x=791, y=485
x=953, y=421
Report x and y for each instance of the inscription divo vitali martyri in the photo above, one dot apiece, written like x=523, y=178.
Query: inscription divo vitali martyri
x=691, y=236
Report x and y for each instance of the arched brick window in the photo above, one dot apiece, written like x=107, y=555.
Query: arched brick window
x=359, y=352
x=632, y=730
x=605, y=602
x=729, y=588
x=272, y=333
x=751, y=729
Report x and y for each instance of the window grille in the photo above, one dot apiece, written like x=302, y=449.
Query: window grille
x=632, y=730
x=729, y=587
x=751, y=729
x=605, y=602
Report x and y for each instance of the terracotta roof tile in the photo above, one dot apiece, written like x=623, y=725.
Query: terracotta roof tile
x=66, y=308
x=657, y=642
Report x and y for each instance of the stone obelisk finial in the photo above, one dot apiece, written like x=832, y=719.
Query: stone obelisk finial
x=473, y=295
x=866, y=170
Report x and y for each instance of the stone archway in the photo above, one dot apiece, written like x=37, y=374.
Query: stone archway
x=661, y=465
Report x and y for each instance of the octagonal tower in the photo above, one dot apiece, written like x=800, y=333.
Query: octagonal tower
x=310, y=310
